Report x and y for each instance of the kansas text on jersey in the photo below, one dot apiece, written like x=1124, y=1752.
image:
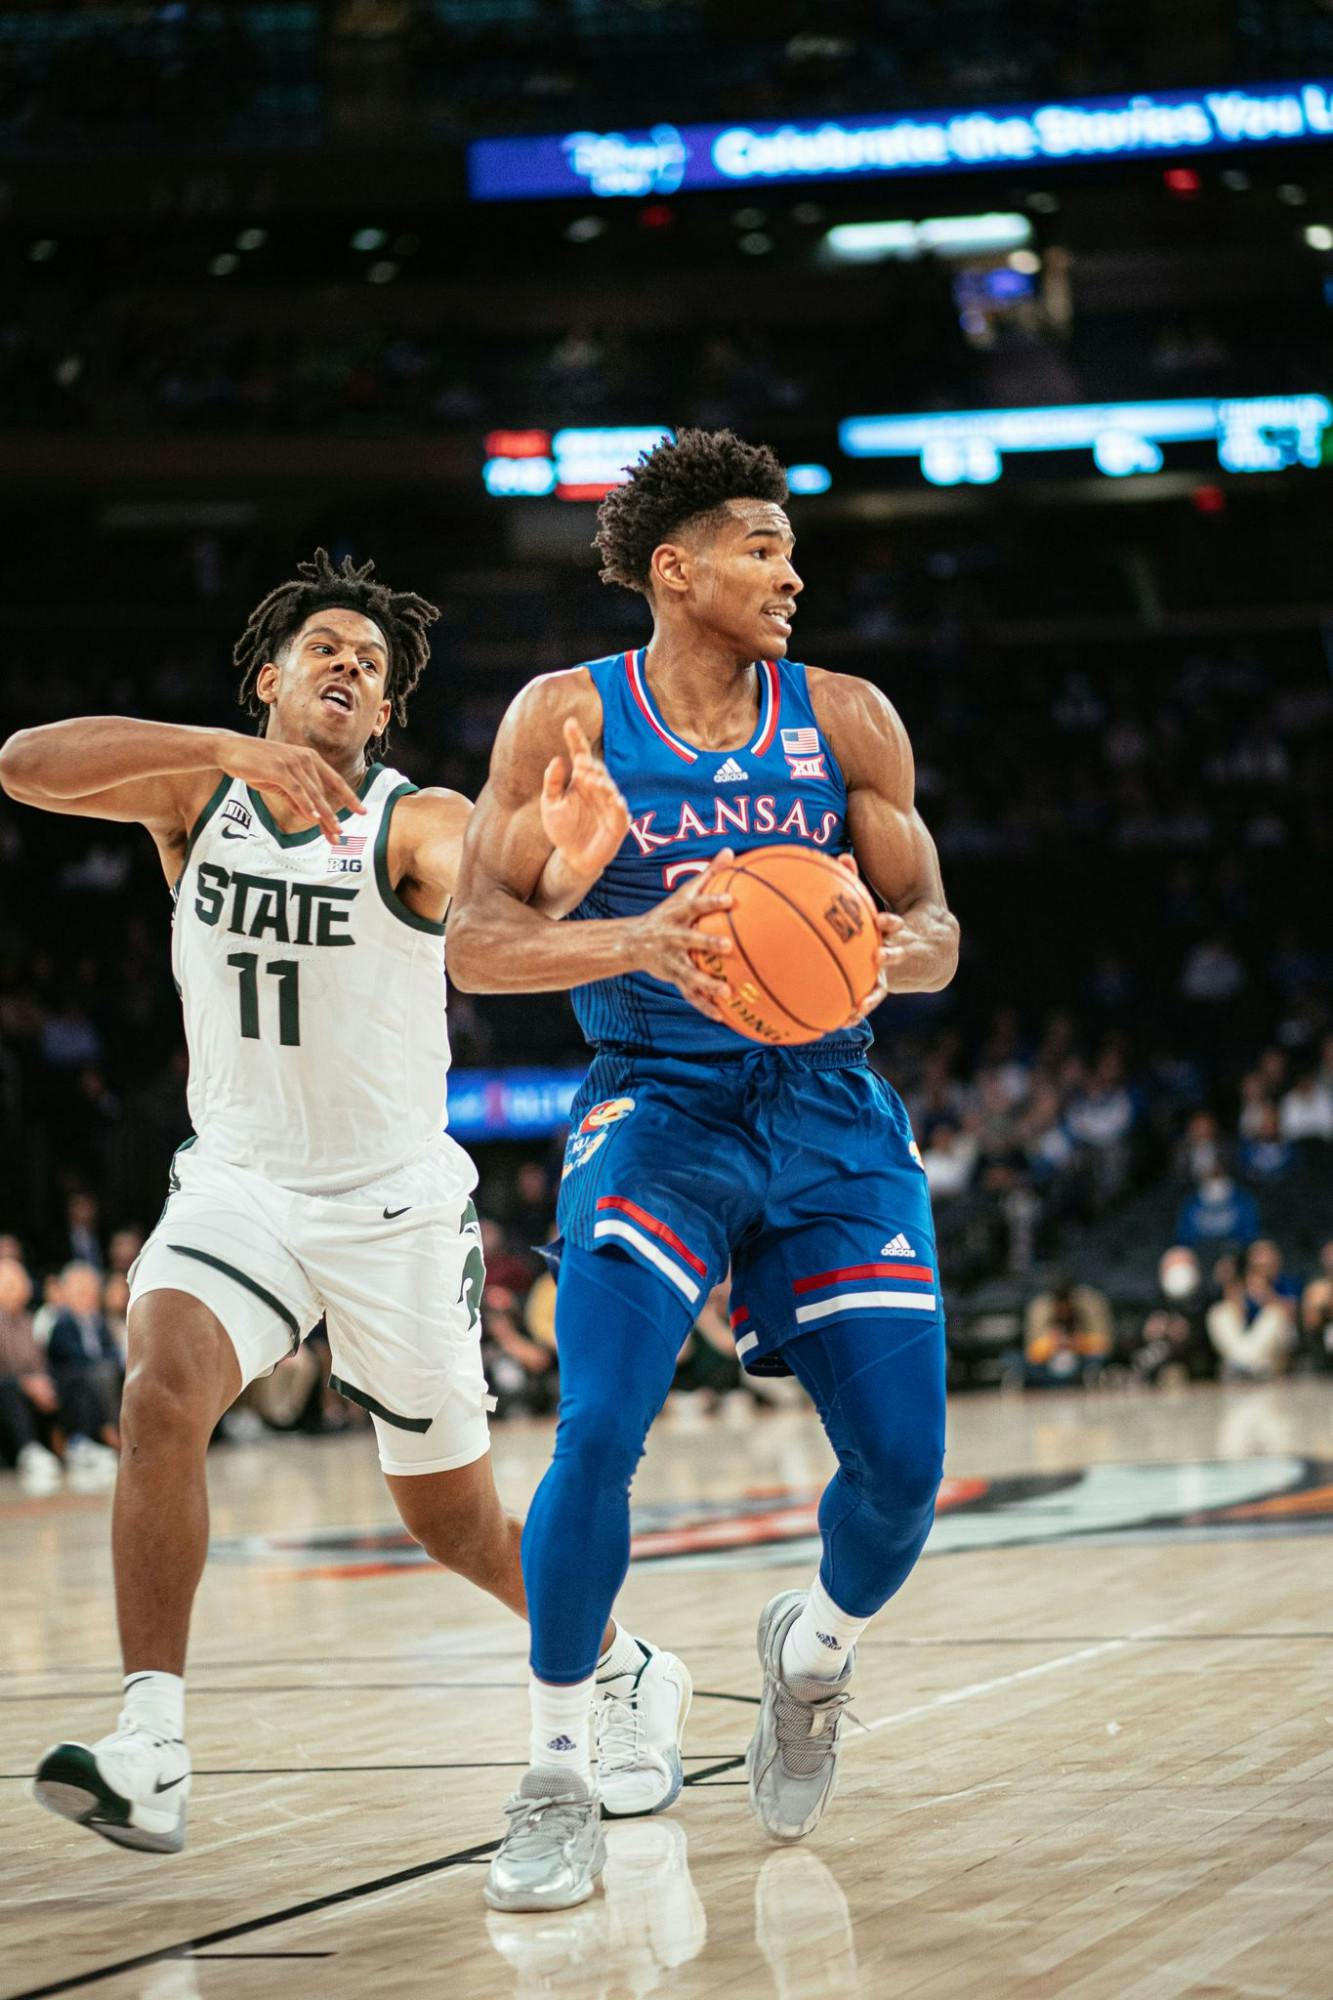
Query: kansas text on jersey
x=687, y=804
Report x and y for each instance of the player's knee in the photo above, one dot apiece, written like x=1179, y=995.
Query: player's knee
x=602, y=1439
x=467, y=1532
x=901, y=1470
x=163, y=1409
x=455, y=1540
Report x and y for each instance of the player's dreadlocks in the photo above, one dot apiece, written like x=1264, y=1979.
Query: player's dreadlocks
x=402, y=617
x=673, y=484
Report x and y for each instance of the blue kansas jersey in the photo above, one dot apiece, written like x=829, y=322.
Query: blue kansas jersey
x=686, y=805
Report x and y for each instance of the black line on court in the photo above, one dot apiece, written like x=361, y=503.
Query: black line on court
x=193, y=1947
x=263, y=1954
x=335, y=1770
x=883, y=1641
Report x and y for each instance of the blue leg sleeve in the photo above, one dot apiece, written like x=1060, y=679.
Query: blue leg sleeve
x=879, y=1387
x=618, y=1331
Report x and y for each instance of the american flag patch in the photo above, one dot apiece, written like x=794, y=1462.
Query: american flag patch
x=800, y=742
x=351, y=843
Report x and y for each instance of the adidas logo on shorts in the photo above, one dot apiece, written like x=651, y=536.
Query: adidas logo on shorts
x=897, y=1246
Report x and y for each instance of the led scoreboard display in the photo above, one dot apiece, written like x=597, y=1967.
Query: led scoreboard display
x=666, y=158
x=968, y=447
x=957, y=447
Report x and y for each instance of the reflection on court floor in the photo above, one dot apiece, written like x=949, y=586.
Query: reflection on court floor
x=1088, y=1756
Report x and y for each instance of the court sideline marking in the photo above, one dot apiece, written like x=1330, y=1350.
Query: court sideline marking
x=357, y=1890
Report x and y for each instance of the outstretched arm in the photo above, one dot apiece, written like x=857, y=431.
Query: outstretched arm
x=890, y=841
x=161, y=773
x=498, y=941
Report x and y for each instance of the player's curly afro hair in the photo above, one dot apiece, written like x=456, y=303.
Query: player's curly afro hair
x=402, y=617
x=675, y=483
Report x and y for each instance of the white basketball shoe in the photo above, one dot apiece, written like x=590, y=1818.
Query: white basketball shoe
x=640, y=1723
x=131, y=1787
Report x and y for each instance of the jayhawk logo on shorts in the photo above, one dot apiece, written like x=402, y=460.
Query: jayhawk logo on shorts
x=610, y=1112
x=594, y=1131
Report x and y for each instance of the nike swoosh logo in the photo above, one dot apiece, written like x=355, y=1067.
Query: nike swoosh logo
x=390, y=1213
x=172, y=1783
x=227, y=834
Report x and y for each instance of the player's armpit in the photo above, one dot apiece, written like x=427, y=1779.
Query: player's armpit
x=890, y=840
x=425, y=846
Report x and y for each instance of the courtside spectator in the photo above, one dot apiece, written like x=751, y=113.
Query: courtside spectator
x=1266, y=1155
x=1307, y=1109
x=1253, y=1325
x=82, y=1235
x=29, y=1399
x=115, y=1310
x=86, y=1363
x=124, y=1247
x=521, y=1371
x=1200, y=1154
x=1218, y=1212
x=1173, y=1343
x=949, y=1158
x=1317, y=1312
x=1067, y=1335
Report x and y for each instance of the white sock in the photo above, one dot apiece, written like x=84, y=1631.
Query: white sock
x=561, y=1727
x=156, y=1702
x=621, y=1664
x=819, y=1640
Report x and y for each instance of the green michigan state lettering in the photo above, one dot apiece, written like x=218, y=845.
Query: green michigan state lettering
x=288, y=912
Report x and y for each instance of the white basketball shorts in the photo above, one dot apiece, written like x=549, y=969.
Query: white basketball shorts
x=394, y=1269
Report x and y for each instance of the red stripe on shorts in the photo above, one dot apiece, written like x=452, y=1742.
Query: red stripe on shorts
x=920, y=1274
x=646, y=1221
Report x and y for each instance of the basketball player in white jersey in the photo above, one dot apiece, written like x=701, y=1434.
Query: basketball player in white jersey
x=311, y=883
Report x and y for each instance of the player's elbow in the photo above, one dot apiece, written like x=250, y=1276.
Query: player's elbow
x=19, y=759
x=464, y=947
x=474, y=947
x=950, y=941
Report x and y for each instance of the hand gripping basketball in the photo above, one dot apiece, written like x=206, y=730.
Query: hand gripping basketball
x=666, y=941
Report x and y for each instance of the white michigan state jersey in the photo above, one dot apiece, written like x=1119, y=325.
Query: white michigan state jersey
x=314, y=999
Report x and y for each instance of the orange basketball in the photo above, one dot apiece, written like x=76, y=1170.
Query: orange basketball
x=806, y=944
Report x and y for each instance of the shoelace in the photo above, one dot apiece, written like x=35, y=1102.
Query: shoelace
x=807, y=1731
x=527, y=1817
x=619, y=1724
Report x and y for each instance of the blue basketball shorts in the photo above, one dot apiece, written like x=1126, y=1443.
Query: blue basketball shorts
x=798, y=1173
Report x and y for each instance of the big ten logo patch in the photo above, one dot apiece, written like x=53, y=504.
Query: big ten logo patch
x=345, y=858
x=594, y=1131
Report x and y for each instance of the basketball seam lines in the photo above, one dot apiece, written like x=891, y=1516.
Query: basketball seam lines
x=791, y=1013
x=801, y=913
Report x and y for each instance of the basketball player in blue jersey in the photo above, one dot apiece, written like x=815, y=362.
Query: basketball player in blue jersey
x=691, y=1148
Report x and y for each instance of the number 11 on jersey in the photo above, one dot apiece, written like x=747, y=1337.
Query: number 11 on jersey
x=287, y=973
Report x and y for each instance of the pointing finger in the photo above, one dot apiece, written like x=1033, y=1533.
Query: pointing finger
x=576, y=741
x=553, y=782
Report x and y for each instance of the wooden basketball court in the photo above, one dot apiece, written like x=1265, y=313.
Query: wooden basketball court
x=1094, y=1760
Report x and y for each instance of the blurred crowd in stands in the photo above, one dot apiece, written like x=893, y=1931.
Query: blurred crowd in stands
x=279, y=363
